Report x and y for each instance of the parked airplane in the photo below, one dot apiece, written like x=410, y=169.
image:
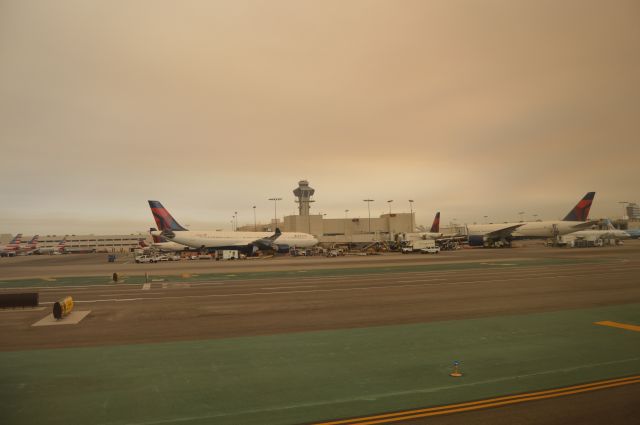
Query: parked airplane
x=11, y=249
x=58, y=249
x=29, y=247
x=161, y=244
x=634, y=233
x=610, y=233
x=434, y=232
x=496, y=235
x=247, y=242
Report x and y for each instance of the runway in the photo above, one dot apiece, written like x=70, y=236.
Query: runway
x=537, y=302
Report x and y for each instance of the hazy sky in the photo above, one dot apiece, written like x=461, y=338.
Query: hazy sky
x=469, y=107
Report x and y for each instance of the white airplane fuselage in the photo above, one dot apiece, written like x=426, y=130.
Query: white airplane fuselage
x=169, y=246
x=213, y=239
x=532, y=229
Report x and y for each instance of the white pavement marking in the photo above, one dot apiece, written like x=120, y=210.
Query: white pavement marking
x=72, y=318
x=146, y=286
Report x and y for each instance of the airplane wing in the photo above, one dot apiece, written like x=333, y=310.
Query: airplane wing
x=585, y=225
x=503, y=233
x=267, y=243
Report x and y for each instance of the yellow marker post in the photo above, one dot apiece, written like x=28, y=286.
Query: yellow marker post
x=62, y=307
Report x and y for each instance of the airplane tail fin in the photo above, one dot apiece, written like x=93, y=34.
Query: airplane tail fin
x=581, y=211
x=156, y=238
x=163, y=219
x=435, y=227
x=16, y=239
x=61, y=245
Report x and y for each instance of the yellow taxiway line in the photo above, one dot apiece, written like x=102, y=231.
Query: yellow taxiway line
x=619, y=325
x=483, y=404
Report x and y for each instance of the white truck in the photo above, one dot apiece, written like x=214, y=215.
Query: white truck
x=423, y=246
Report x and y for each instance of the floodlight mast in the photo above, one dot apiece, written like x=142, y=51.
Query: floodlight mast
x=368, y=201
x=275, y=210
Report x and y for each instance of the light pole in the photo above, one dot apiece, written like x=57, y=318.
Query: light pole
x=345, y=223
x=485, y=219
x=411, y=207
x=389, y=221
x=368, y=201
x=255, y=223
x=521, y=214
x=275, y=209
x=236, y=215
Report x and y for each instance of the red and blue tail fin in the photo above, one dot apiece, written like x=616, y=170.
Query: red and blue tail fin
x=156, y=239
x=163, y=219
x=581, y=211
x=435, y=227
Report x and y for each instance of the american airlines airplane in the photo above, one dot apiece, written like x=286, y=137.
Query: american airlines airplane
x=29, y=247
x=247, y=242
x=497, y=235
x=11, y=249
x=58, y=249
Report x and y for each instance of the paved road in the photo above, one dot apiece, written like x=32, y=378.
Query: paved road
x=96, y=264
x=261, y=306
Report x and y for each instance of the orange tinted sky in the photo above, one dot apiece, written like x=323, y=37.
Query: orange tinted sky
x=469, y=107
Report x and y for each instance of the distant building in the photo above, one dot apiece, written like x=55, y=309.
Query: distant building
x=350, y=229
x=342, y=230
x=633, y=211
x=99, y=243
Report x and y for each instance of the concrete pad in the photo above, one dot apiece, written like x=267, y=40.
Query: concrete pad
x=72, y=318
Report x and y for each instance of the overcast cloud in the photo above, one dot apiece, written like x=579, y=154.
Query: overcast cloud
x=471, y=107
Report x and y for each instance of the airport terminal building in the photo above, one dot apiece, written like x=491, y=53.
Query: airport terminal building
x=347, y=230
x=87, y=243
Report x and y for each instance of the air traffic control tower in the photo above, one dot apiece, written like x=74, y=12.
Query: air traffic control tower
x=304, y=193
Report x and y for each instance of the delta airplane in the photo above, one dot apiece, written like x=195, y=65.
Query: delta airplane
x=496, y=235
x=11, y=249
x=160, y=244
x=434, y=232
x=247, y=242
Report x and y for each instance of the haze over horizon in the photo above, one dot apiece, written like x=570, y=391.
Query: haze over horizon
x=469, y=108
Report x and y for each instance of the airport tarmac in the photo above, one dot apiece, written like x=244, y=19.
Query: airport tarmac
x=301, y=340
